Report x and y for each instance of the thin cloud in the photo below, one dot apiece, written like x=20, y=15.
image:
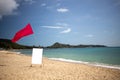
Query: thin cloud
x=53, y=27
x=8, y=7
x=62, y=10
x=62, y=24
x=66, y=31
x=89, y=16
x=30, y=1
x=89, y=35
x=43, y=4
x=58, y=4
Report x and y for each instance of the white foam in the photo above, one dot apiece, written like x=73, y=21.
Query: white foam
x=68, y=60
x=18, y=52
x=89, y=63
x=107, y=65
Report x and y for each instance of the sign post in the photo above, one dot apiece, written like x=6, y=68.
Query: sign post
x=37, y=56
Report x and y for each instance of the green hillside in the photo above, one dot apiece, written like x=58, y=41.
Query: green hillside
x=8, y=44
x=60, y=45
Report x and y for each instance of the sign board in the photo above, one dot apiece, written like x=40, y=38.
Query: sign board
x=37, y=56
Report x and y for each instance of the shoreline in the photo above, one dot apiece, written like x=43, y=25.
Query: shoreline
x=17, y=67
x=104, y=65
x=87, y=63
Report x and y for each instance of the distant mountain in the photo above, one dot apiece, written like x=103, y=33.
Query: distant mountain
x=8, y=44
x=60, y=45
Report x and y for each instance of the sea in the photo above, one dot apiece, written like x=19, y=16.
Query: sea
x=103, y=56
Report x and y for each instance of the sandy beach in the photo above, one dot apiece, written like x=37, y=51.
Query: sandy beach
x=17, y=67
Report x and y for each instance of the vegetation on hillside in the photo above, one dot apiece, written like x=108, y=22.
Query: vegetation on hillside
x=59, y=45
x=8, y=44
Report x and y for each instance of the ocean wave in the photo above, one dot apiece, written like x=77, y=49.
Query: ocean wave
x=17, y=52
x=89, y=63
x=68, y=60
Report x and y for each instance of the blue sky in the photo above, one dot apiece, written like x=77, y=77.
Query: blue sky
x=64, y=21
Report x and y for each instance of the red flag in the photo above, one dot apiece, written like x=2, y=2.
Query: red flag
x=27, y=30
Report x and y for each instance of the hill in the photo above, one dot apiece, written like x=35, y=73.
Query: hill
x=60, y=45
x=8, y=44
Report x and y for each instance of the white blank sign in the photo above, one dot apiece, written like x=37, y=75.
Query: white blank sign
x=37, y=56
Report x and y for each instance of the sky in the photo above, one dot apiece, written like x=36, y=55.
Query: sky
x=66, y=21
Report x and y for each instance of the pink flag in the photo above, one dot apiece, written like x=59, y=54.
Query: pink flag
x=27, y=30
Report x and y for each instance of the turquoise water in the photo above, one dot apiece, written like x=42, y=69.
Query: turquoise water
x=107, y=55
